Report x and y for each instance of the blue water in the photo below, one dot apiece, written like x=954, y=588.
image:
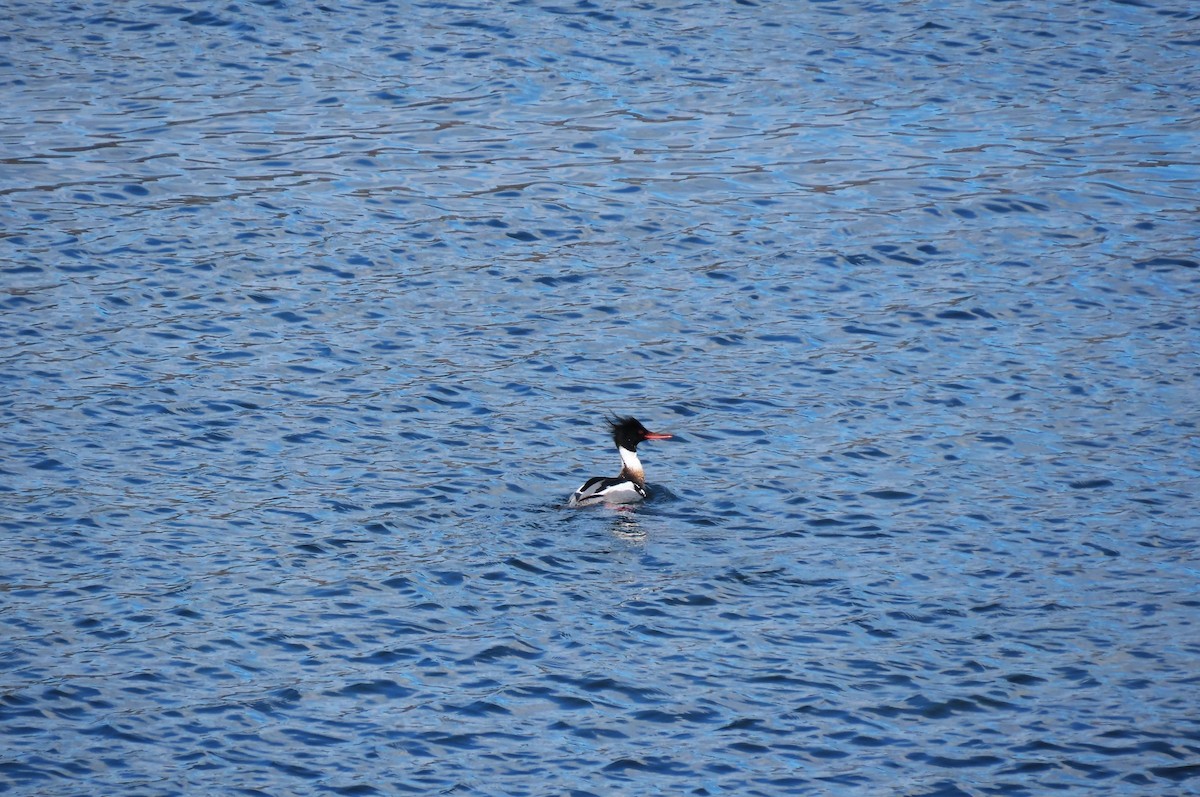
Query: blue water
x=312, y=314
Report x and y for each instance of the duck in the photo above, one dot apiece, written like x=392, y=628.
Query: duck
x=628, y=486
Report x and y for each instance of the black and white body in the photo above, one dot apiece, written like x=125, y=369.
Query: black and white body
x=628, y=486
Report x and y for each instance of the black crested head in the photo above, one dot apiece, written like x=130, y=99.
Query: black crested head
x=627, y=432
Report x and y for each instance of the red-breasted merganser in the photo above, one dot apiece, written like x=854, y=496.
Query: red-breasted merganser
x=629, y=486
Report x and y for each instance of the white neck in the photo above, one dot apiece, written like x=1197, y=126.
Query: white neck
x=631, y=466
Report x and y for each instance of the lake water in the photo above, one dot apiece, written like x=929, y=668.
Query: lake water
x=312, y=316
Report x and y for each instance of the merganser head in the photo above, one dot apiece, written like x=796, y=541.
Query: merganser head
x=628, y=432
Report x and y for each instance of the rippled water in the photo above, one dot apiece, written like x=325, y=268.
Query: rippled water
x=311, y=315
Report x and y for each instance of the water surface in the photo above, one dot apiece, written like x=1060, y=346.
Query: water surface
x=311, y=316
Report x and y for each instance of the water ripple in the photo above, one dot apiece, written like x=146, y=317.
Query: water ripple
x=311, y=316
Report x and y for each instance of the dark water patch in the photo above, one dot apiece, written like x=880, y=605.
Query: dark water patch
x=890, y=495
x=1166, y=263
x=1090, y=484
x=866, y=453
x=497, y=652
x=1177, y=774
